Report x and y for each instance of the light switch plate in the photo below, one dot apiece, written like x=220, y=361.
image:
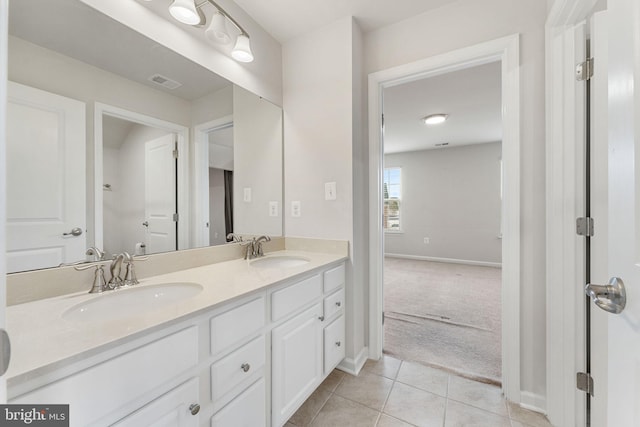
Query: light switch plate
x=247, y=194
x=295, y=209
x=273, y=208
x=330, y=191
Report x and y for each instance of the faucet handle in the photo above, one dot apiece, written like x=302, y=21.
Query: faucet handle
x=99, y=281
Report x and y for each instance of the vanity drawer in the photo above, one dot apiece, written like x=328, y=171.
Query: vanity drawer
x=334, y=278
x=110, y=386
x=333, y=344
x=333, y=303
x=236, y=324
x=296, y=296
x=249, y=409
x=233, y=369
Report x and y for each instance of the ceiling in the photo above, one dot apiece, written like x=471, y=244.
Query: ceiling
x=287, y=19
x=80, y=32
x=471, y=97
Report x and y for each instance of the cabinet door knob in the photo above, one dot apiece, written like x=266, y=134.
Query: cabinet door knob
x=321, y=318
x=338, y=303
x=194, y=409
x=245, y=367
x=338, y=343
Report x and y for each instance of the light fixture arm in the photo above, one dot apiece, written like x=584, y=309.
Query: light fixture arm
x=225, y=14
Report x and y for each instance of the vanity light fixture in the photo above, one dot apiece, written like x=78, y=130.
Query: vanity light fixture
x=435, y=119
x=190, y=13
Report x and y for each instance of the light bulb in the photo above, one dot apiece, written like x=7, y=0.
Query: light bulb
x=242, y=50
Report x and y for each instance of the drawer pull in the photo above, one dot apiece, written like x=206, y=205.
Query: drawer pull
x=321, y=318
x=338, y=303
x=338, y=343
x=245, y=367
x=194, y=409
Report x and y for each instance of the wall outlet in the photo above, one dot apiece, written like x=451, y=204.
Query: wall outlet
x=427, y=240
x=247, y=194
x=296, y=211
x=330, y=191
x=273, y=208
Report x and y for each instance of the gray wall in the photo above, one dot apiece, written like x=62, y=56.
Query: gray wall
x=451, y=196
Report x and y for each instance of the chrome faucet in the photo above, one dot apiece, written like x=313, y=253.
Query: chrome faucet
x=96, y=253
x=257, y=246
x=234, y=238
x=116, y=268
x=254, y=247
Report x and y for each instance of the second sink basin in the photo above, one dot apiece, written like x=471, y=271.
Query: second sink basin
x=279, y=261
x=130, y=301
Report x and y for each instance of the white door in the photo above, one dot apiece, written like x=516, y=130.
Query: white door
x=624, y=210
x=160, y=194
x=46, y=178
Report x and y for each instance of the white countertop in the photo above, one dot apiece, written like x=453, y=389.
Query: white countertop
x=42, y=338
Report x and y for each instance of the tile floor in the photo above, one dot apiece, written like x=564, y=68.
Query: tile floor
x=395, y=393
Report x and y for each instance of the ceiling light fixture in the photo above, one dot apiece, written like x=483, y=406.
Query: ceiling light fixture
x=190, y=13
x=435, y=119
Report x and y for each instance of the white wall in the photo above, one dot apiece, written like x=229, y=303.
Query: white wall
x=452, y=196
x=322, y=127
x=469, y=22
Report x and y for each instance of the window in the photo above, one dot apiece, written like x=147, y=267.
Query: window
x=392, y=186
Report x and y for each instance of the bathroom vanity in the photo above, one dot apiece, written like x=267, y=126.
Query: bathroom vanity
x=233, y=344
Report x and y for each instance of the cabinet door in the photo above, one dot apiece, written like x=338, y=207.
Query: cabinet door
x=172, y=409
x=297, y=362
x=333, y=344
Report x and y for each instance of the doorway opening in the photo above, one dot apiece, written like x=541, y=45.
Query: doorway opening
x=442, y=221
x=505, y=52
x=141, y=183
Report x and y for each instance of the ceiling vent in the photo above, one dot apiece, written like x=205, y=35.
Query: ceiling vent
x=442, y=144
x=163, y=81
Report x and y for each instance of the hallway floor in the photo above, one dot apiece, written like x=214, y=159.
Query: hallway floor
x=444, y=315
x=395, y=393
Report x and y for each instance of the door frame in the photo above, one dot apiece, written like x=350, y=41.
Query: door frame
x=4, y=40
x=565, y=187
x=200, y=194
x=506, y=50
x=182, y=133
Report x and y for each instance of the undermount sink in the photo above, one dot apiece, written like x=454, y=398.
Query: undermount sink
x=130, y=301
x=279, y=261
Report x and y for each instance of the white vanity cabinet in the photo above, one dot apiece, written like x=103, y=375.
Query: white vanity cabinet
x=306, y=346
x=249, y=362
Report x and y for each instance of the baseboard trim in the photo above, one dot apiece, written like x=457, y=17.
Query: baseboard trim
x=448, y=260
x=353, y=366
x=533, y=402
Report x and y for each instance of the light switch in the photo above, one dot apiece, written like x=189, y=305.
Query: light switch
x=247, y=194
x=273, y=208
x=295, y=209
x=330, y=191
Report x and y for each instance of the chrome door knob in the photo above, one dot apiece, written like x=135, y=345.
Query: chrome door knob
x=77, y=231
x=245, y=367
x=611, y=297
x=194, y=409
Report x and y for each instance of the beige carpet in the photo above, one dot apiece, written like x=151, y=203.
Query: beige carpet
x=444, y=315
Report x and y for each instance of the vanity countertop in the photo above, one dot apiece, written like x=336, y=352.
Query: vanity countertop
x=42, y=340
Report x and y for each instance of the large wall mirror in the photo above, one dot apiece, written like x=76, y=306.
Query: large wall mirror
x=117, y=142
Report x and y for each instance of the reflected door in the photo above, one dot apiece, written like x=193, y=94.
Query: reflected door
x=46, y=208
x=160, y=194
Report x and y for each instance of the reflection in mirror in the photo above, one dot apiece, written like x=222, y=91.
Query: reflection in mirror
x=95, y=114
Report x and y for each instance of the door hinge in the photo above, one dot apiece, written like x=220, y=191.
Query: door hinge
x=383, y=317
x=584, y=226
x=176, y=217
x=584, y=70
x=175, y=153
x=584, y=382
